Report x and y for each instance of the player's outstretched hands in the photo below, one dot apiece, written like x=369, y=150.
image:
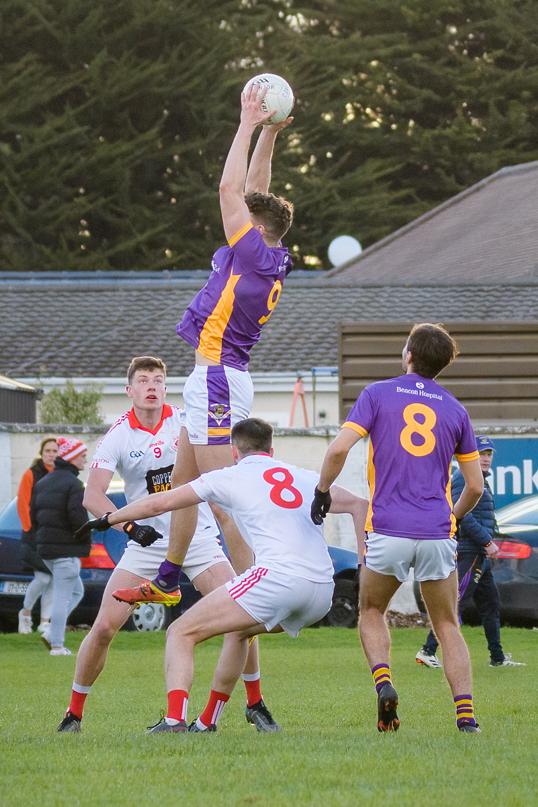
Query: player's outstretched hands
x=98, y=524
x=143, y=534
x=276, y=127
x=320, y=506
x=251, y=111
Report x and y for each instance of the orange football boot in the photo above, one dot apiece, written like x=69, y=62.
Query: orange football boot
x=147, y=592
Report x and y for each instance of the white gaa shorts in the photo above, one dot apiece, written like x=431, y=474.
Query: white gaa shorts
x=216, y=398
x=392, y=555
x=144, y=561
x=272, y=598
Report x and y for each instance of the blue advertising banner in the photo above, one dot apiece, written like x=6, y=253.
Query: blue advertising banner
x=514, y=471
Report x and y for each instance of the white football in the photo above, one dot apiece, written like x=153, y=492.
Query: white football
x=279, y=96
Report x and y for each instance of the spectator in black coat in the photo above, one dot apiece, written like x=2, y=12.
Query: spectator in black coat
x=476, y=550
x=41, y=585
x=57, y=513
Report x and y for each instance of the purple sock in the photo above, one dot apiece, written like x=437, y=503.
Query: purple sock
x=168, y=576
x=381, y=674
x=464, y=710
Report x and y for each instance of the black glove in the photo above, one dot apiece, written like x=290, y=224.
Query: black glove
x=143, y=534
x=99, y=524
x=320, y=506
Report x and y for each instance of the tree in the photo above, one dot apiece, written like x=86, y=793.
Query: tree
x=408, y=103
x=105, y=116
x=115, y=119
x=71, y=406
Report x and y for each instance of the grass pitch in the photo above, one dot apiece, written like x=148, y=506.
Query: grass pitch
x=320, y=690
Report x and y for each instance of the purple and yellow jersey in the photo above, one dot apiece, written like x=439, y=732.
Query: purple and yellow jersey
x=415, y=428
x=225, y=319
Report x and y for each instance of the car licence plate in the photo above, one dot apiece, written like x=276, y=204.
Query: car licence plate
x=13, y=587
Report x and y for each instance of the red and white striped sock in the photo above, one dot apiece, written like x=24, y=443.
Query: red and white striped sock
x=178, y=701
x=212, y=712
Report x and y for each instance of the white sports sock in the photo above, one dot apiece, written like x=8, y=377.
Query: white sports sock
x=78, y=688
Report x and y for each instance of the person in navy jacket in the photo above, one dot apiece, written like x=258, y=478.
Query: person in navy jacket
x=476, y=550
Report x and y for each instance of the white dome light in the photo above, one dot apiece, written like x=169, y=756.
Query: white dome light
x=343, y=249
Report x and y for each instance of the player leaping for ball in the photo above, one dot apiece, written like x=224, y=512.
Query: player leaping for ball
x=223, y=323
x=290, y=586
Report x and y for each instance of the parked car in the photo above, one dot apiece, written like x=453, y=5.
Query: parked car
x=107, y=549
x=516, y=570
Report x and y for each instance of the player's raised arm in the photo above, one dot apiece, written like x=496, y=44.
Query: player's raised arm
x=156, y=504
x=235, y=213
x=259, y=170
x=332, y=465
x=98, y=503
x=473, y=490
x=95, y=498
x=336, y=456
x=344, y=501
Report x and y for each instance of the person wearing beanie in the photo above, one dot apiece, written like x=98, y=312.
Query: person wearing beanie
x=41, y=585
x=56, y=513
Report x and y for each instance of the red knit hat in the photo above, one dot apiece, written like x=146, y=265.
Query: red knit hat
x=70, y=449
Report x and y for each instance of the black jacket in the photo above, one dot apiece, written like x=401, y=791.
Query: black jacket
x=56, y=511
x=477, y=528
x=30, y=559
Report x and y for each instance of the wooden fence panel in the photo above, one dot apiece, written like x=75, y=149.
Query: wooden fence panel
x=495, y=375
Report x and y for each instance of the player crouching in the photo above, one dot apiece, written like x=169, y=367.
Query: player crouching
x=289, y=587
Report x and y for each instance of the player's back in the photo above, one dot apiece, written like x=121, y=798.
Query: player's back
x=224, y=320
x=415, y=428
x=270, y=501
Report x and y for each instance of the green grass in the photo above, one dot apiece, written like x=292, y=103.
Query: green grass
x=320, y=690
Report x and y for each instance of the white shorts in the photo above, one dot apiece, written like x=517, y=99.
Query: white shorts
x=272, y=598
x=144, y=561
x=216, y=398
x=390, y=554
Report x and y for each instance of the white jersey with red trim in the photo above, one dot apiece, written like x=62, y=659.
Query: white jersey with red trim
x=144, y=460
x=270, y=503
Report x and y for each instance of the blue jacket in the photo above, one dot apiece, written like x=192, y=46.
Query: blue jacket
x=477, y=528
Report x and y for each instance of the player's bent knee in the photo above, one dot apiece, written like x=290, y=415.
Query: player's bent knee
x=445, y=628
x=104, y=629
x=184, y=633
x=177, y=629
x=369, y=605
x=243, y=635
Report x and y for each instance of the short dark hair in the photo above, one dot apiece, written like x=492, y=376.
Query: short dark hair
x=252, y=435
x=274, y=212
x=432, y=349
x=144, y=363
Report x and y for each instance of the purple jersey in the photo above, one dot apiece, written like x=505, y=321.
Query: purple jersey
x=415, y=428
x=225, y=319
